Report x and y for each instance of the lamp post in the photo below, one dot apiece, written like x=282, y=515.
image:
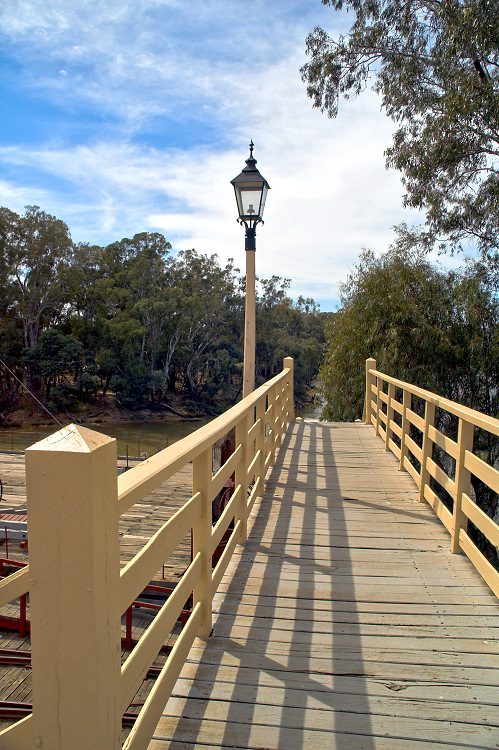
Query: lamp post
x=251, y=191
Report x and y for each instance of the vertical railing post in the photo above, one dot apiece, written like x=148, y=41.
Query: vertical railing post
x=406, y=404
x=22, y=615
x=282, y=413
x=389, y=414
x=272, y=442
x=242, y=475
x=72, y=489
x=278, y=410
x=462, y=480
x=128, y=628
x=370, y=381
x=289, y=362
x=379, y=387
x=260, y=445
x=201, y=537
x=427, y=448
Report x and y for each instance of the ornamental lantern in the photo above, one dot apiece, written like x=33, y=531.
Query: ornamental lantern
x=251, y=191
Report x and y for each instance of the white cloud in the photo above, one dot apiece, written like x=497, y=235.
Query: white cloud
x=330, y=193
x=16, y=198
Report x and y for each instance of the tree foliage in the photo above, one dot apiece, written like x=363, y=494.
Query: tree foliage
x=436, y=329
x=435, y=64
x=79, y=320
x=35, y=250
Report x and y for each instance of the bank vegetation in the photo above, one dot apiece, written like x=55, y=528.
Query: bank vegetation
x=133, y=325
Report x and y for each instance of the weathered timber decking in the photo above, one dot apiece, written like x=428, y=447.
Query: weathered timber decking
x=344, y=623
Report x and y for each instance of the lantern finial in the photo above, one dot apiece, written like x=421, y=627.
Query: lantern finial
x=250, y=161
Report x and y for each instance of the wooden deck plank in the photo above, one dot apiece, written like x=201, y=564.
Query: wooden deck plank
x=404, y=670
x=371, y=685
x=266, y=727
x=420, y=629
x=344, y=622
x=311, y=740
x=335, y=714
x=297, y=615
x=202, y=679
x=386, y=704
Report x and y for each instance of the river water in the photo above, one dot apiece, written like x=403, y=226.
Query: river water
x=134, y=438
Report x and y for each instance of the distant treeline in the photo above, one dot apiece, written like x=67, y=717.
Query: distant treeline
x=78, y=321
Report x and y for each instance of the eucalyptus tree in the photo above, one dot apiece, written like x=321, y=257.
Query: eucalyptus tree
x=269, y=337
x=288, y=328
x=135, y=272
x=208, y=290
x=36, y=252
x=7, y=221
x=57, y=355
x=84, y=275
x=435, y=64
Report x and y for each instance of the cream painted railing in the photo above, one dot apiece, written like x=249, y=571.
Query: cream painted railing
x=77, y=591
x=395, y=417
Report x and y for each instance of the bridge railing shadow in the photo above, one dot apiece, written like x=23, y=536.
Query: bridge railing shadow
x=287, y=650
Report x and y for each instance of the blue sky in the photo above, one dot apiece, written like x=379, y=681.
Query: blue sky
x=121, y=117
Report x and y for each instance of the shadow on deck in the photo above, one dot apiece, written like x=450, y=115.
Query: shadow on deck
x=344, y=622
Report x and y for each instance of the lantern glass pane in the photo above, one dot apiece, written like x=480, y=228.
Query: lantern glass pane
x=250, y=202
x=264, y=198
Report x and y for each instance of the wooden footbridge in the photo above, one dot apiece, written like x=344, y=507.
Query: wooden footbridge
x=337, y=616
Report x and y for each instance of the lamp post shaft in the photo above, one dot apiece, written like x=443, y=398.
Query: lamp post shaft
x=249, y=322
x=251, y=192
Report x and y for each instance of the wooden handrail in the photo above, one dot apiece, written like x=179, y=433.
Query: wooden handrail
x=134, y=484
x=143, y=655
x=75, y=500
x=14, y=586
x=137, y=573
x=380, y=409
x=470, y=415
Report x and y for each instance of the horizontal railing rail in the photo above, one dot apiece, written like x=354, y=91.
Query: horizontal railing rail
x=78, y=593
x=412, y=437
